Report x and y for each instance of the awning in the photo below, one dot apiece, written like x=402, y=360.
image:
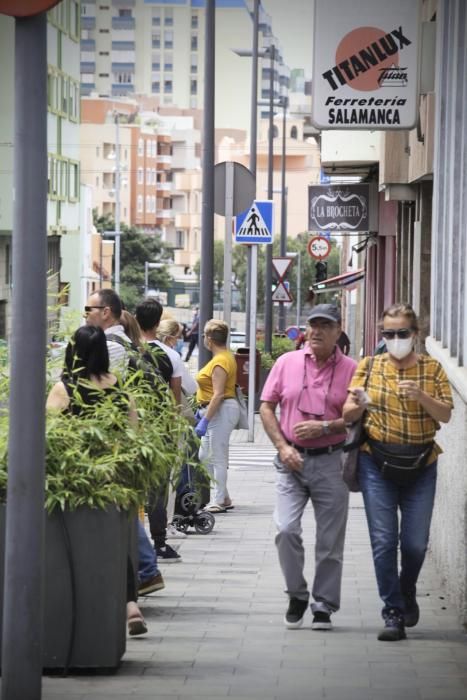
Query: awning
x=346, y=281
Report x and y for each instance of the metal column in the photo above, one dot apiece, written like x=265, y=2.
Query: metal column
x=24, y=550
x=207, y=217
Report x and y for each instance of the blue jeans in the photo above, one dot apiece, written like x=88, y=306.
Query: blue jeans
x=382, y=500
x=147, y=558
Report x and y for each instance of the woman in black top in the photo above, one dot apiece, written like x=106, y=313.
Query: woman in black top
x=86, y=380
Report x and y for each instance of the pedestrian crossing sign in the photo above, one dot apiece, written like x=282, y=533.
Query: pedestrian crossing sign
x=255, y=224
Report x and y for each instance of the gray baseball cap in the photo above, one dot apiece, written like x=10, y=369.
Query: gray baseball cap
x=328, y=311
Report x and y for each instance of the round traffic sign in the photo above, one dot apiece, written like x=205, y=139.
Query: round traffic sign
x=243, y=188
x=318, y=247
x=26, y=8
x=292, y=332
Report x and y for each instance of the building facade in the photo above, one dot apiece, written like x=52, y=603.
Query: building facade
x=63, y=114
x=153, y=47
x=420, y=257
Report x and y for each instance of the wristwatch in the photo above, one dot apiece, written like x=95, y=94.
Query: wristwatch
x=326, y=428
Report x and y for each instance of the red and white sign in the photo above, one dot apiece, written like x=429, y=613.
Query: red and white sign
x=281, y=265
x=365, y=64
x=281, y=293
x=318, y=247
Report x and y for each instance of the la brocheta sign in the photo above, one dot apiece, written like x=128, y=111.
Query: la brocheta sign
x=365, y=75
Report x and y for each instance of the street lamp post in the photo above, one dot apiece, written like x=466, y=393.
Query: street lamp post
x=298, y=255
x=117, y=205
x=283, y=238
x=268, y=271
x=149, y=266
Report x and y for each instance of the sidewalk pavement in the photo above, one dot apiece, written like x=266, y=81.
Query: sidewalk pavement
x=217, y=631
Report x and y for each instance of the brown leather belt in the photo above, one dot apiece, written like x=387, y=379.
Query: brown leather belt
x=313, y=451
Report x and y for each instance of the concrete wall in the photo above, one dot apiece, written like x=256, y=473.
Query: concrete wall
x=448, y=339
x=449, y=525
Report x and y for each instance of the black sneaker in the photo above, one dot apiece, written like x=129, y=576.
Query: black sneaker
x=168, y=554
x=294, y=616
x=394, y=629
x=321, y=621
x=411, y=610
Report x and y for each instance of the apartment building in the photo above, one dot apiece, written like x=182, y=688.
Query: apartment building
x=144, y=164
x=63, y=205
x=156, y=47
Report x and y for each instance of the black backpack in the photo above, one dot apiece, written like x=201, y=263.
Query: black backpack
x=141, y=361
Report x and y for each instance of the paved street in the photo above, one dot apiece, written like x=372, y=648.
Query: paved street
x=216, y=631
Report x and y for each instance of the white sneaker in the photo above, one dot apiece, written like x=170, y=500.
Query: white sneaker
x=174, y=534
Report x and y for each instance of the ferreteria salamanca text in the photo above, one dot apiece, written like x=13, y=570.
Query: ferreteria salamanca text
x=375, y=111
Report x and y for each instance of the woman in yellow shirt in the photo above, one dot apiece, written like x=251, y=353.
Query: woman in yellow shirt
x=219, y=411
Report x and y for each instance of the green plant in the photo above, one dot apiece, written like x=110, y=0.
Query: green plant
x=99, y=457
x=279, y=347
x=266, y=360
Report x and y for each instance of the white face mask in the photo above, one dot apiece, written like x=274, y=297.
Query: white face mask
x=400, y=347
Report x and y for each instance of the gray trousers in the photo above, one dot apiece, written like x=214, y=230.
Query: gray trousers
x=214, y=450
x=320, y=480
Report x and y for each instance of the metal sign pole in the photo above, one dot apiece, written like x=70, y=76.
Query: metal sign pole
x=207, y=216
x=229, y=194
x=117, y=205
x=252, y=355
x=25, y=520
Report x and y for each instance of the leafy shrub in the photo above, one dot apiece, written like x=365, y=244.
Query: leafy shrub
x=279, y=347
x=99, y=458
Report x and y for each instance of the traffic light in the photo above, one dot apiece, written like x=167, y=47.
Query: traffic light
x=321, y=271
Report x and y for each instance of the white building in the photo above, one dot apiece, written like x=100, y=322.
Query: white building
x=157, y=48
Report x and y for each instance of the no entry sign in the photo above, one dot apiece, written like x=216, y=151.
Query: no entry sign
x=318, y=247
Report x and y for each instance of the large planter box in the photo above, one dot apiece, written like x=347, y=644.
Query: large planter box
x=99, y=545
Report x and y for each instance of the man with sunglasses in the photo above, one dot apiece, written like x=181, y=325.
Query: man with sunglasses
x=104, y=309
x=310, y=388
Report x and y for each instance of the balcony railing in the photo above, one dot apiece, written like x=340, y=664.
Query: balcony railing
x=165, y=186
x=88, y=45
x=127, y=67
x=87, y=67
x=88, y=22
x=165, y=214
x=164, y=160
x=123, y=22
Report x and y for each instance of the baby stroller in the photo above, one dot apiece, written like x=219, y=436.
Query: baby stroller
x=192, y=496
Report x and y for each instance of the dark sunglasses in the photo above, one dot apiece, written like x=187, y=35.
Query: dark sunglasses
x=401, y=333
x=87, y=309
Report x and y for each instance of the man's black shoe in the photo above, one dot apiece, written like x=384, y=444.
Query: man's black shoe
x=411, y=611
x=321, y=621
x=294, y=616
x=393, y=630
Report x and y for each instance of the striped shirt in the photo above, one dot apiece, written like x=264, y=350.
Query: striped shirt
x=392, y=417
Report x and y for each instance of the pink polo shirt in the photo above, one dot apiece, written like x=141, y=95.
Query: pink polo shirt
x=308, y=392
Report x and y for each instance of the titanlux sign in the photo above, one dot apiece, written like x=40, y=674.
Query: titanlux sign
x=344, y=207
x=365, y=64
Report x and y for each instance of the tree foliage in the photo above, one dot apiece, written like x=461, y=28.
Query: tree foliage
x=136, y=248
x=239, y=269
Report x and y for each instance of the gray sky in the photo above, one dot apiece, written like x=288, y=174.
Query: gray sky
x=292, y=23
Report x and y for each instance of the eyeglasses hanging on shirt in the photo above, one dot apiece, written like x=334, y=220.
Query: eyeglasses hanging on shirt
x=314, y=401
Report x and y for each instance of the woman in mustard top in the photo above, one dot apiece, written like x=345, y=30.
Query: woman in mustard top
x=219, y=411
x=407, y=397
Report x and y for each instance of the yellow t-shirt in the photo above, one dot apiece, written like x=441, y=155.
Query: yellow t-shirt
x=223, y=359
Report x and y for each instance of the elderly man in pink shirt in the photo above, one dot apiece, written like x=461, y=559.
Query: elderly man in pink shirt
x=310, y=387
